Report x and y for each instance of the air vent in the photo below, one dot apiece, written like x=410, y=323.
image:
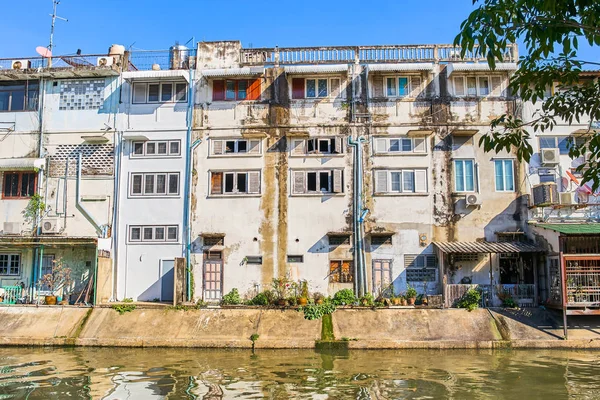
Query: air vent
x=339, y=240
x=381, y=240
x=254, y=260
x=214, y=241
x=295, y=258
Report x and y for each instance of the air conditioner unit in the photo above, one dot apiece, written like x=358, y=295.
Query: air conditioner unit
x=20, y=64
x=12, y=228
x=545, y=194
x=473, y=199
x=550, y=156
x=105, y=61
x=51, y=225
x=568, y=198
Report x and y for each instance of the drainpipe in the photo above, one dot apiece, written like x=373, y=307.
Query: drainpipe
x=116, y=220
x=99, y=230
x=188, y=183
x=358, y=215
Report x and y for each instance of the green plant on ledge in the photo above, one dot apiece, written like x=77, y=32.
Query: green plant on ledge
x=470, y=300
x=317, y=311
x=124, y=308
x=231, y=298
x=34, y=210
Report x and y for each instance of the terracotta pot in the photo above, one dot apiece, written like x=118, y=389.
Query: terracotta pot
x=403, y=302
x=411, y=301
x=302, y=301
x=320, y=301
x=282, y=302
x=396, y=301
x=50, y=300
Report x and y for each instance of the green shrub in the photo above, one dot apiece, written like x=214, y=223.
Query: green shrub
x=344, y=297
x=261, y=299
x=231, y=298
x=367, y=300
x=509, y=302
x=470, y=300
x=411, y=292
x=123, y=308
x=316, y=311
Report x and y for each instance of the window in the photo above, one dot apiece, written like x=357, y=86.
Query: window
x=339, y=240
x=381, y=240
x=341, y=271
x=235, y=183
x=420, y=267
x=257, y=260
x=235, y=146
x=165, y=92
x=464, y=176
x=210, y=241
x=19, y=185
x=10, y=264
x=403, y=86
x=236, y=89
x=156, y=148
x=295, y=258
x=466, y=257
x=562, y=143
x=401, y=181
x=404, y=145
x=316, y=182
x=169, y=233
x=505, y=181
x=323, y=145
x=478, y=86
x=19, y=96
x=154, y=184
x=313, y=88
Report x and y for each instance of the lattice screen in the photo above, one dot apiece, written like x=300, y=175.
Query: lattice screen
x=83, y=94
x=97, y=159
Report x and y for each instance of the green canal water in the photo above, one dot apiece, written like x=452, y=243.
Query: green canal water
x=103, y=373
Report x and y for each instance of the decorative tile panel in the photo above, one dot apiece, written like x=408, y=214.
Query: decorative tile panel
x=96, y=159
x=82, y=94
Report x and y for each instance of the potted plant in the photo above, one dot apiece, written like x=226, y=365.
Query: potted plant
x=303, y=299
x=318, y=298
x=58, y=278
x=403, y=301
x=411, y=295
x=281, y=287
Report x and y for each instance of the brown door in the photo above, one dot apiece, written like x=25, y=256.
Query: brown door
x=213, y=277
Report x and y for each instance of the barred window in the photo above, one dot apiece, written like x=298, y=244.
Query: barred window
x=10, y=264
x=341, y=271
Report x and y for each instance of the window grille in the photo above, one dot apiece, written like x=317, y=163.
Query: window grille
x=96, y=159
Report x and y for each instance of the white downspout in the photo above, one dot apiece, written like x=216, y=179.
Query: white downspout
x=99, y=230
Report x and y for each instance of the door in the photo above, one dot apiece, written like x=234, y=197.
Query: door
x=47, y=264
x=167, y=280
x=382, y=277
x=213, y=276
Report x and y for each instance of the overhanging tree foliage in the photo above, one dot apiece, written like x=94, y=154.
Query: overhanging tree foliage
x=551, y=31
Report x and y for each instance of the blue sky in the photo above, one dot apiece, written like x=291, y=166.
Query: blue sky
x=157, y=24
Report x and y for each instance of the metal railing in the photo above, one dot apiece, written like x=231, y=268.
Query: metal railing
x=518, y=291
x=454, y=292
x=11, y=294
x=583, y=281
x=147, y=60
x=33, y=64
x=371, y=54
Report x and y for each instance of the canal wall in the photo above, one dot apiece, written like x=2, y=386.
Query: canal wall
x=352, y=328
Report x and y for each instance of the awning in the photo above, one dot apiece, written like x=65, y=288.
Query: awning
x=50, y=241
x=317, y=69
x=21, y=163
x=471, y=67
x=401, y=67
x=157, y=75
x=135, y=136
x=487, y=247
x=573, y=228
x=224, y=72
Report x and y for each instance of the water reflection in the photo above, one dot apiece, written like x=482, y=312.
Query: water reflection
x=95, y=373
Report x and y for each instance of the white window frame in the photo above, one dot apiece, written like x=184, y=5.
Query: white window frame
x=465, y=175
x=155, y=175
x=222, y=142
x=235, y=191
x=504, y=176
x=302, y=149
x=145, y=153
x=9, y=262
x=499, y=91
x=160, y=92
x=154, y=229
x=378, y=141
x=417, y=173
x=396, y=79
x=330, y=87
x=331, y=189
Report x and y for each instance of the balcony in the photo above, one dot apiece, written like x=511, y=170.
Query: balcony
x=71, y=66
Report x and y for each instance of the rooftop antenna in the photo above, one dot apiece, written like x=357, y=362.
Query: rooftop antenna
x=55, y=3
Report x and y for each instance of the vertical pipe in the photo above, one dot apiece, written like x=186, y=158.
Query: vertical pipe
x=95, y=276
x=187, y=188
x=563, y=284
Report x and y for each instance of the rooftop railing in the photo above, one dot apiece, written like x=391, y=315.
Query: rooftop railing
x=35, y=63
x=148, y=60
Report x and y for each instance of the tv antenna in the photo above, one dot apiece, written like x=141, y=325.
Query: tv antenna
x=55, y=3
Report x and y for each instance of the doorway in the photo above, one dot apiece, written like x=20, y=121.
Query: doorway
x=382, y=277
x=167, y=280
x=213, y=275
x=47, y=265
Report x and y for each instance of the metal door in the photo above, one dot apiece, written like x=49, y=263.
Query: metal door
x=166, y=280
x=382, y=277
x=213, y=279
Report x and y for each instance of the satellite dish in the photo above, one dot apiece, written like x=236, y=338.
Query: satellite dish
x=43, y=51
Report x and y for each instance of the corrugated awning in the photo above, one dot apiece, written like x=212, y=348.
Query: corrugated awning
x=21, y=163
x=487, y=247
x=223, y=72
x=572, y=228
x=460, y=67
x=401, y=67
x=318, y=69
x=149, y=75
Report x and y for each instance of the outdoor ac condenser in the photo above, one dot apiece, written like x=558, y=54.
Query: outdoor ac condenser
x=545, y=194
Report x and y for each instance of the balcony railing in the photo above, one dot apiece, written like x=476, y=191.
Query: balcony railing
x=34, y=64
x=147, y=60
x=370, y=54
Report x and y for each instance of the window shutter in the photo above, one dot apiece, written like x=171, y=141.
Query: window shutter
x=218, y=90
x=217, y=147
x=420, y=181
x=338, y=145
x=335, y=87
x=409, y=259
x=297, y=88
x=459, y=86
x=378, y=86
x=299, y=182
x=216, y=183
x=381, y=181
x=254, y=146
x=496, y=86
x=254, y=90
x=430, y=261
x=419, y=145
x=415, y=84
x=337, y=181
x=298, y=146
x=254, y=182
x=380, y=145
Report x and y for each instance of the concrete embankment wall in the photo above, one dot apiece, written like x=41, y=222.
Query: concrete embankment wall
x=358, y=328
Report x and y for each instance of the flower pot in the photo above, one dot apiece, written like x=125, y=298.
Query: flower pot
x=281, y=302
x=302, y=301
x=411, y=301
x=319, y=301
x=396, y=301
x=50, y=300
x=403, y=302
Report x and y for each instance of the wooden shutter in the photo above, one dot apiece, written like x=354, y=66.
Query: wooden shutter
x=254, y=89
x=338, y=148
x=380, y=145
x=335, y=87
x=217, y=147
x=337, y=181
x=298, y=146
x=299, y=185
x=420, y=181
x=254, y=182
x=496, y=82
x=409, y=259
x=216, y=183
x=419, y=145
x=218, y=90
x=254, y=146
x=459, y=86
x=381, y=181
x=415, y=85
x=297, y=88
x=378, y=86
